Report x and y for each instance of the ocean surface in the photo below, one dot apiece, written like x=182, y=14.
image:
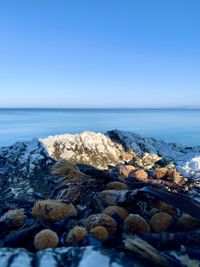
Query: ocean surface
x=171, y=125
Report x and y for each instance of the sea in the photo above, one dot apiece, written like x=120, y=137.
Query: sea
x=180, y=126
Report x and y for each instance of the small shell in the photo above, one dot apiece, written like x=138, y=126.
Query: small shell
x=76, y=235
x=46, y=239
x=136, y=224
x=53, y=210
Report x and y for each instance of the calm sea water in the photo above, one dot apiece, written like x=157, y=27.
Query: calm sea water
x=180, y=126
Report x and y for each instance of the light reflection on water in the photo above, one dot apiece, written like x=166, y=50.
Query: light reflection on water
x=180, y=126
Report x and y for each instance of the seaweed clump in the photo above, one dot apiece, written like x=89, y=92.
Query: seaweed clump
x=13, y=219
x=136, y=224
x=100, y=207
x=46, y=239
x=76, y=235
x=53, y=210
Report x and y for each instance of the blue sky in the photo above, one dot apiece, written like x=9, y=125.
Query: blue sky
x=99, y=53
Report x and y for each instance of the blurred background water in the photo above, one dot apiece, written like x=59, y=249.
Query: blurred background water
x=172, y=125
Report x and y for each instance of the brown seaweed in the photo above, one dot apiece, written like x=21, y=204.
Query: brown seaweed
x=177, y=200
x=156, y=182
x=22, y=237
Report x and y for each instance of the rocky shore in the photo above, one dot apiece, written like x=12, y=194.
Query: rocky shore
x=131, y=179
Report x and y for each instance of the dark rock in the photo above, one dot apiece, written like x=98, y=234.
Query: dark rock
x=70, y=256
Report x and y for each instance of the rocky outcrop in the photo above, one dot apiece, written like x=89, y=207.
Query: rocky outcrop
x=187, y=159
x=71, y=256
x=116, y=146
x=24, y=170
x=90, y=148
x=26, y=175
x=25, y=167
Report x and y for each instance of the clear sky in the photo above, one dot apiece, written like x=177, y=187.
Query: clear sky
x=99, y=53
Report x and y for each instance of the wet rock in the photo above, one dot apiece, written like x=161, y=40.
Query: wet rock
x=67, y=256
x=89, y=148
x=24, y=169
x=163, y=162
x=186, y=160
x=26, y=174
x=148, y=160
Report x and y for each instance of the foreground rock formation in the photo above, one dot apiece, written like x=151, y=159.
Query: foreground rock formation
x=80, y=257
x=97, y=186
x=25, y=166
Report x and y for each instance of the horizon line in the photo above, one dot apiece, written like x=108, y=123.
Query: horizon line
x=101, y=108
